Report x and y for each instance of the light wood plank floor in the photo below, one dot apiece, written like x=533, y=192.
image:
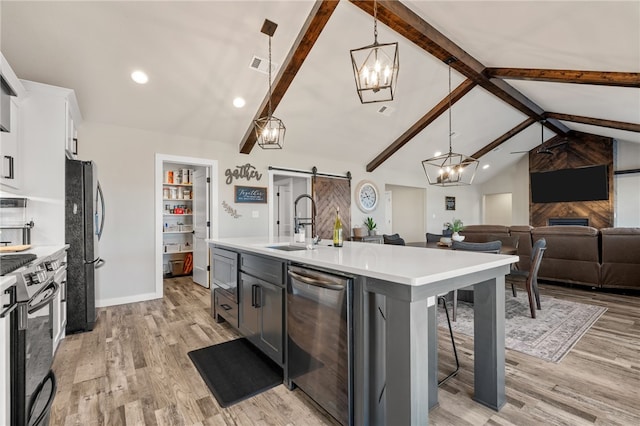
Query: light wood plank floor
x=133, y=369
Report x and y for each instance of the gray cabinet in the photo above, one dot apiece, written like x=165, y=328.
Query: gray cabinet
x=261, y=304
x=224, y=308
x=224, y=271
x=224, y=285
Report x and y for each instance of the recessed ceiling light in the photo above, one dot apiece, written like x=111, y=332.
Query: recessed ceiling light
x=140, y=77
x=239, y=102
x=485, y=167
x=437, y=153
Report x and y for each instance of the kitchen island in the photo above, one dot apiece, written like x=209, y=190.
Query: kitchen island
x=395, y=324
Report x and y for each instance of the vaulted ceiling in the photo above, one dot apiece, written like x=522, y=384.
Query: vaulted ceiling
x=197, y=55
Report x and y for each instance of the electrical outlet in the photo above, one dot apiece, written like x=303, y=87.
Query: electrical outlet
x=255, y=214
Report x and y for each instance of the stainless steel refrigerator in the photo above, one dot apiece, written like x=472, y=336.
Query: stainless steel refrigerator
x=84, y=222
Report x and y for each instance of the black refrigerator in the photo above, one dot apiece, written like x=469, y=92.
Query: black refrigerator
x=84, y=222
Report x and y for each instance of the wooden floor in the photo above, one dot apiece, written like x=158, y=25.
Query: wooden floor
x=133, y=369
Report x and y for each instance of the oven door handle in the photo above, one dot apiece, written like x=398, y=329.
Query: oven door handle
x=10, y=309
x=34, y=397
x=54, y=287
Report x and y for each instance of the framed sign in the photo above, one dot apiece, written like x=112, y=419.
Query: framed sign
x=250, y=194
x=450, y=203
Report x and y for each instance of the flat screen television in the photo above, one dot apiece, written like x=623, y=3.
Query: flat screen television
x=581, y=184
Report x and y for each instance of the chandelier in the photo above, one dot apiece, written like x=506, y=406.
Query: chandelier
x=375, y=67
x=450, y=169
x=270, y=130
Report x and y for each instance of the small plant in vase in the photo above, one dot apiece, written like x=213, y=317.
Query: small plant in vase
x=455, y=227
x=371, y=225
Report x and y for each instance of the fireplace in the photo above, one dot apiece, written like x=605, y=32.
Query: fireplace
x=580, y=221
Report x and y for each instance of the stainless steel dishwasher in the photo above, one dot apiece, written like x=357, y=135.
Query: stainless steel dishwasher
x=320, y=338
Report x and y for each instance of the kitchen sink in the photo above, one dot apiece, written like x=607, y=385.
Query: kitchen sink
x=287, y=248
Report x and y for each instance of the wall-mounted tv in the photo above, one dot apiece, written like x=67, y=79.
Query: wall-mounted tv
x=581, y=184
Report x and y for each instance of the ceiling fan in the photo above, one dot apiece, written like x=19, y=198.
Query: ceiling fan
x=544, y=149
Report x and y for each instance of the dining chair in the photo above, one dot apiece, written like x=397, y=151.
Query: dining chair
x=433, y=238
x=488, y=247
x=441, y=298
x=531, y=276
x=508, y=241
x=393, y=239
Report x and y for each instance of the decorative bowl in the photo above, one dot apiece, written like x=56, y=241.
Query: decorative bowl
x=445, y=240
x=457, y=238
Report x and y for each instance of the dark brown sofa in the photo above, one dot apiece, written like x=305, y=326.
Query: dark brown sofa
x=620, y=258
x=572, y=254
x=481, y=233
x=606, y=258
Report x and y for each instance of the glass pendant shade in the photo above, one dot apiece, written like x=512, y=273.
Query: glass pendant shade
x=375, y=68
x=270, y=132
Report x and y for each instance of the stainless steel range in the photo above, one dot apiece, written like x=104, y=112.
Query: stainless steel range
x=37, y=311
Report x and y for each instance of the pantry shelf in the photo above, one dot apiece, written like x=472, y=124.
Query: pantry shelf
x=177, y=233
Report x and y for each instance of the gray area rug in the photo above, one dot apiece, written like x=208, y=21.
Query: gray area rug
x=557, y=328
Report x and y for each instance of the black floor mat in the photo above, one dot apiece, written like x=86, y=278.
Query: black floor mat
x=235, y=370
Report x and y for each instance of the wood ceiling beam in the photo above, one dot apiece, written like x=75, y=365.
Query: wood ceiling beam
x=601, y=78
x=405, y=22
x=309, y=34
x=620, y=125
x=511, y=133
x=422, y=123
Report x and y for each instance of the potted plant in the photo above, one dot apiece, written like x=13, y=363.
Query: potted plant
x=371, y=225
x=455, y=227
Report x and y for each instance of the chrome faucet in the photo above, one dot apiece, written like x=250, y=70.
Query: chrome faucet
x=301, y=221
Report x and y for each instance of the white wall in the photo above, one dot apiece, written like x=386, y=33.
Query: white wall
x=468, y=206
x=515, y=181
x=627, y=194
x=126, y=159
x=497, y=209
x=408, y=212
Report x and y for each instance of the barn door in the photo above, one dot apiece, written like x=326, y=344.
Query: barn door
x=329, y=193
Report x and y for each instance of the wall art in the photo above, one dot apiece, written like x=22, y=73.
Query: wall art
x=232, y=212
x=450, y=203
x=246, y=171
x=250, y=194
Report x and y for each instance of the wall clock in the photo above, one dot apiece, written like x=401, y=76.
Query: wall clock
x=367, y=196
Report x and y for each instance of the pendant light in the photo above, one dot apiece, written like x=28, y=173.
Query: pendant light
x=450, y=169
x=375, y=67
x=270, y=130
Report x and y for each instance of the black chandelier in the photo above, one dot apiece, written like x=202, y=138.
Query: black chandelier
x=270, y=130
x=450, y=169
x=375, y=67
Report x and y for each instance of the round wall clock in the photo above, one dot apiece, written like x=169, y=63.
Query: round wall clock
x=367, y=196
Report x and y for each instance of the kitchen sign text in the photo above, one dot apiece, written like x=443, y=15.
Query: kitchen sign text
x=246, y=171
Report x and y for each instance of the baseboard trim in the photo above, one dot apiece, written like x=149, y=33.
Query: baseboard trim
x=102, y=303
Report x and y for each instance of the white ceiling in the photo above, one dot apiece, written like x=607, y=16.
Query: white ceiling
x=197, y=56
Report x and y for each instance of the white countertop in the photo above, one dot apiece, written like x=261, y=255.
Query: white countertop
x=401, y=264
x=42, y=251
x=5, y=282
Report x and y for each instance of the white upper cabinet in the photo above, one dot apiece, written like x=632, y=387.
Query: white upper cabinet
x=47, y=115
x=11, y=169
